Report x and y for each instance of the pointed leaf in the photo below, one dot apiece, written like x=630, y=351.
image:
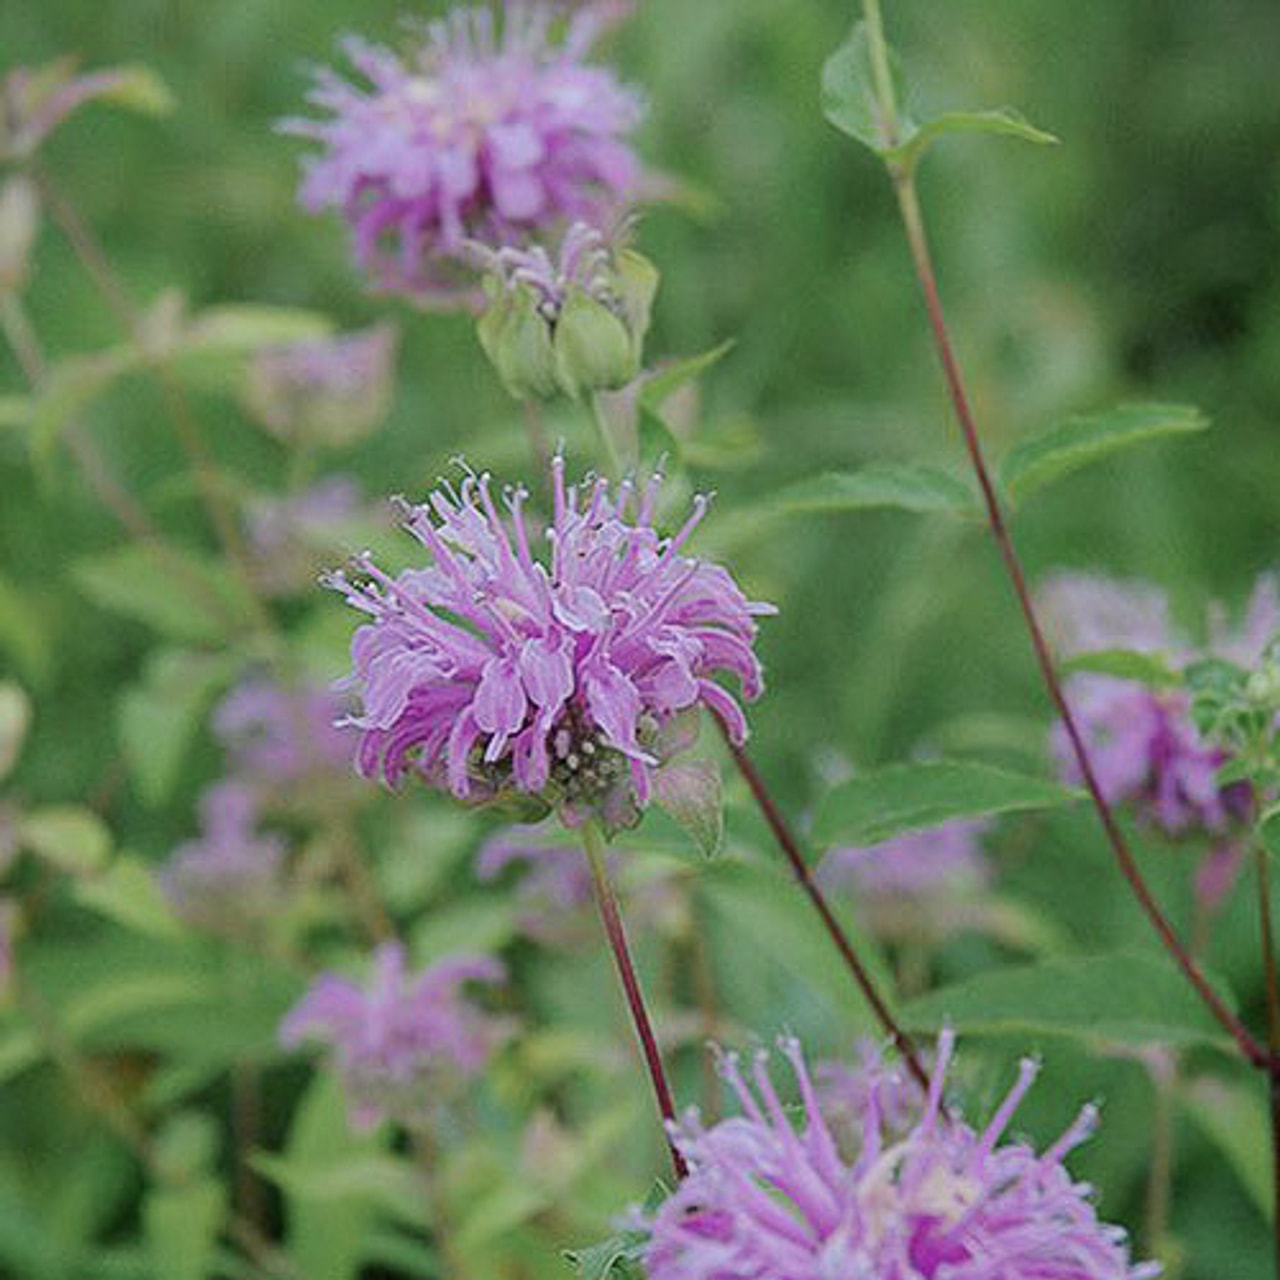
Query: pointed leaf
x=668, y=380
x=885, y=802
x=128, y=894
x=849, y=98
x=1122, y=998
x=1036, y=462
x=1150, y=669
x=1003, y=120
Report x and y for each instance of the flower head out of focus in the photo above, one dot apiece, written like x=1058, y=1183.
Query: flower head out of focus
x=942, y=1201
x=491, y=671
x=919, y=866
x=403, y=1043
x=279, y=734
x=231, y=878
x=555, y=885
x=329, y=391
x=1144, y=744
x=576, y=324
x=491, y=129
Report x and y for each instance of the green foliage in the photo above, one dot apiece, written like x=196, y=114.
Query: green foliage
x=1078, y=442
x=912, y=797
x=1151, y=669
x=1130, y=998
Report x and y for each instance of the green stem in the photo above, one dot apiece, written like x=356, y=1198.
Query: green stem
x=593, y=845
x=882, y=72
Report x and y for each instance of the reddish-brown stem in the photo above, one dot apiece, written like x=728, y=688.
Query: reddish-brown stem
x=789, y=846
x=1272, y=979
x=611, y=919
x=913, y=222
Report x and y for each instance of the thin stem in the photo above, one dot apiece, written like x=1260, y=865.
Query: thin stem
x=1160, y=1177
x=535, y=429
x=594, y=846
x=913, y=222
x=25, y=343
x=95, y=262
x=1262, y=864
x=882, y=73
x=787, y=842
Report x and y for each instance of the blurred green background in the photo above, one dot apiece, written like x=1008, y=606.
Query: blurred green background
x=1138, y=260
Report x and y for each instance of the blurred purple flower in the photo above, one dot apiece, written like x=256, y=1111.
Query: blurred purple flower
x=293, y=537
x=583, y=260
x=1143, y=743
x=278, y=735
x=490, y=671
x=942, y=1202
x=489, y=130
x=231, y=878
x=331, y=391
x=403, y=1043
x=920, y=865
x=555, y=885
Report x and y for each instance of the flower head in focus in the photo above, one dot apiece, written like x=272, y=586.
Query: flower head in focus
x=491, y=671
x=1144, y=744
x=768, y=1199
x=328, y=391
x=491, y=129
x=405, y=1042
x=231, y=878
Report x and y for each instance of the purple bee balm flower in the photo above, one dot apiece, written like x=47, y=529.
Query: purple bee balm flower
x=770, y=1201
x=404, y=1042
x=491, y=671
x=230, y=878
x=278, y=734
x=1144, y=745
x=919, y=865
x=488, y=131
x=330, y=391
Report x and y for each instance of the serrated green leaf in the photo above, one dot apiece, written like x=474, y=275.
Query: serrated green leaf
x=849, y=98
x=160, y=716
x=1001, y=120
x=1038, y=461
x=178, y=593
x=181, y=1225
x=71, y=838
x=1127, y=998
x=886, y=802
x=669, y=379
x=1150, y=669
x=128, y=894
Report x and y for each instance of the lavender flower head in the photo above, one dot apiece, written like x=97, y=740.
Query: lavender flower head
x=331, y=391
x=405, y=1042
x=1143, y=743
x=231, y=878
x=490, y=671
x=280, y=735
x=771, y=1201
x=490, y=130
x=917, y=866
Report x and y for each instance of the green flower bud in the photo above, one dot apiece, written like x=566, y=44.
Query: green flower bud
x=516, y=337
x=594, y=349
